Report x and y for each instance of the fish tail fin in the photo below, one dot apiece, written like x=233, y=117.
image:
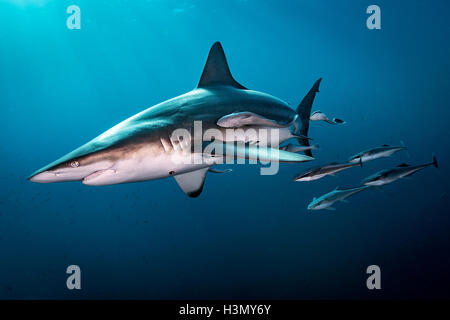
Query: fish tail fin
x=301, y=125
x=338, y=121
x=402, y=143
x=435, y=163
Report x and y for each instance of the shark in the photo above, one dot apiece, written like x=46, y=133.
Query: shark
x=403, y=170
x=327, y=200
x=144, y=147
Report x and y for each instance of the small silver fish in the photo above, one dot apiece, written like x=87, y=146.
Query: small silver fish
x=320, y=116
x=375, y=153
x=401, y=171
x=322, y=171
x=327, y=200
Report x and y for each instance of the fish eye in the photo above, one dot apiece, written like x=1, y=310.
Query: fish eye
x=74, y=164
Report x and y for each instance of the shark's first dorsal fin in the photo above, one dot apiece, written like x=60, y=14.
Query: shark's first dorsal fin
x=385, y=145
x=216, y=71
x=403, y=165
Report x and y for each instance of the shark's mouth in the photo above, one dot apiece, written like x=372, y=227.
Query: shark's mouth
x=97, y=174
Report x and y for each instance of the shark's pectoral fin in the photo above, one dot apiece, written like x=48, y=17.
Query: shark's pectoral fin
x=240, y=119
x=330, y=209
x=192, y=182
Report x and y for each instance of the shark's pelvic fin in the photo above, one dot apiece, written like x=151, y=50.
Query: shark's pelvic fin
x=216, y=71
x=240, y=119
x=192, y=182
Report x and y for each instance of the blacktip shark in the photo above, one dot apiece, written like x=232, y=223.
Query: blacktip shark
x=325, y=170
x=143, y=146
x=375, y=153
x=401, y=171
x=320, y=116
x=327, y=200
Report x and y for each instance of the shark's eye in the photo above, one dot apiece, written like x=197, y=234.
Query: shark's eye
x=74, y=164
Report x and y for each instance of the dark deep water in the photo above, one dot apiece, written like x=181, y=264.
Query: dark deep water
x=246, y=236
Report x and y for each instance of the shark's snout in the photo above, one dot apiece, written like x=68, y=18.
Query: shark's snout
x=49, y=176
x=43, y=177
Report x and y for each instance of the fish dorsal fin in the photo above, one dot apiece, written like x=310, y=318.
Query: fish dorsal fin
x=216, y=71
x=385, y=145
x=403, y=165
x=192, y=182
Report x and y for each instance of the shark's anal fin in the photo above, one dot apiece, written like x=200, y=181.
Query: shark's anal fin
x=192, y=182
x=216, y=71
x=240, y=119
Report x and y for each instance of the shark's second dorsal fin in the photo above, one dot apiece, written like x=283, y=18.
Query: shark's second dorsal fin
x=216, y=71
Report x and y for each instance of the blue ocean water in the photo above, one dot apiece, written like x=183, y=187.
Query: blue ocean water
x=247, y=235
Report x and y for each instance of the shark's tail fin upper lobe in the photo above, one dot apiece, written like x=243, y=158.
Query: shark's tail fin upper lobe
x=304, y=113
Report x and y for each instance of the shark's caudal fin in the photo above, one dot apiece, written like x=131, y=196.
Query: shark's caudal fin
x=216, y=71
x=304, y=112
